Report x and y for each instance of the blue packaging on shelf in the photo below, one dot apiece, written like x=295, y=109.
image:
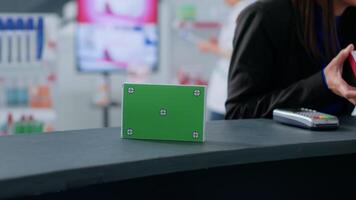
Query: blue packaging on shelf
x=20, y=27
x=10, y=26
x=29, y=26
x=2, y=48
x=40, y=38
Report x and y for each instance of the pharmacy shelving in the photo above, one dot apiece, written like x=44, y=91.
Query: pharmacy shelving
x=187, y=24
x=44, y=115
x=192, y=66
x=28, y=64
x=23, y=67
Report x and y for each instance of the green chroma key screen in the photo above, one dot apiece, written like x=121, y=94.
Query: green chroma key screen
x=163, y=112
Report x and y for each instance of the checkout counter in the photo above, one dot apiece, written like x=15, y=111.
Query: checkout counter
x=245, y=159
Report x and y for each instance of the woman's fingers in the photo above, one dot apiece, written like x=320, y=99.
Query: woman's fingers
x=353, y=101
x=348, y=92
x=343, y=55
x=333, y=75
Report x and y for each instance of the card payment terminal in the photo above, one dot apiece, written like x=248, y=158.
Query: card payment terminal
x=306, y=118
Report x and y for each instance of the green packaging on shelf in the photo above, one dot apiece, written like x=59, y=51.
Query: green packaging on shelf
x=37, y=127
x=28, y=127
x=163, y=112
x=187, y=12
x=19, y=128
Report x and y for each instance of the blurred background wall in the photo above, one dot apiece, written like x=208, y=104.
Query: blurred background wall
x=74, y=108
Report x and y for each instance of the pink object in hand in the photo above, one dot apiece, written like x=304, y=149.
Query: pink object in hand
x=352, y=60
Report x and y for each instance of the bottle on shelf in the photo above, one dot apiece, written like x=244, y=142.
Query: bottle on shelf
x=2, y=93
x=2, y=41
x=40, y=95
x=20, y=125
x=28, y=125
x=40, y=38
x=10, y=124
x=35, y=126
x=31, y=41
x=101, y=96
x=6, y=43
x=15, y=43
x=34, y=99
x=10, y=27
x=20, y=40
x=22, y=92
x=11, y=92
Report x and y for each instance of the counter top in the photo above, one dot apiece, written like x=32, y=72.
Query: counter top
x=39, y=164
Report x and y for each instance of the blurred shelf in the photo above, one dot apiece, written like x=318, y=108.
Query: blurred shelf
x=45, y=115
x=23, y=67
x=197, y=24
x=113, y=104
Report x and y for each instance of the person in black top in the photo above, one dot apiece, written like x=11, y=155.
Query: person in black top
x=292, y=54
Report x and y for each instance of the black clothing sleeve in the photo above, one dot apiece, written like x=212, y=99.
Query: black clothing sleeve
x=258, y=82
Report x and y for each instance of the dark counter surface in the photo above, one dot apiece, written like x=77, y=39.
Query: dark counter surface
x=53, y=162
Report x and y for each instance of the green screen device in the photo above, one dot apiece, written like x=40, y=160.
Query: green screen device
x=163, y=112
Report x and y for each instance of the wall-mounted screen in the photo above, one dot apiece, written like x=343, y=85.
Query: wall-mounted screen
x=117, y=34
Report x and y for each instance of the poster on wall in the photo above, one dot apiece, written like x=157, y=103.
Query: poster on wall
x=114, y=35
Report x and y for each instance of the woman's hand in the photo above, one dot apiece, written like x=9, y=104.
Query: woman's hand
x=333, y=76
